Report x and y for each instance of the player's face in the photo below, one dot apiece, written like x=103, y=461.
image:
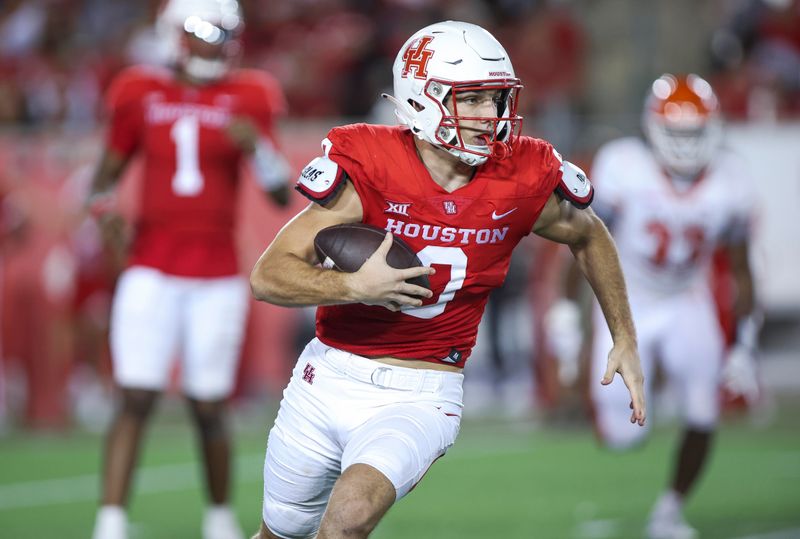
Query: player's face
x=477, y=104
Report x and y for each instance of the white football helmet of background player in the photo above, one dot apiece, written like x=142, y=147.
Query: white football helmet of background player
x=682, y=123
x=440, y=60
x=216, y=23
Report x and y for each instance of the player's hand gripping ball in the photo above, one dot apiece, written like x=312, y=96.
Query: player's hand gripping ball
x=346, y=247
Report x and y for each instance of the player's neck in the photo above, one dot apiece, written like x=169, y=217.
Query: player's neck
x=683, y=182
x=187, y=80
x=446, y=169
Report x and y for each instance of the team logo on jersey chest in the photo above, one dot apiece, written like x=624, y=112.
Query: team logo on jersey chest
x=400, y=208
x=449, y=207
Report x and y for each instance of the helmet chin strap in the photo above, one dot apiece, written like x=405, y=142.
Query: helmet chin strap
x=468, y=158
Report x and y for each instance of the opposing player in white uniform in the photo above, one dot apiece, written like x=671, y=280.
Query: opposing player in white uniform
x=670, y=202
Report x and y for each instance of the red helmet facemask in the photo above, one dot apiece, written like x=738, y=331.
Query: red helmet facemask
x=501, y=129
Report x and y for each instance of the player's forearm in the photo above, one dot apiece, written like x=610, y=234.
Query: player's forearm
x=748, y=319
x=107, y=173
x=598, y=260
x=290, y=281
x=745, y=294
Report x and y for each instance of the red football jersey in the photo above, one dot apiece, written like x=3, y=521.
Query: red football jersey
x=191, y=167
x=467, y=235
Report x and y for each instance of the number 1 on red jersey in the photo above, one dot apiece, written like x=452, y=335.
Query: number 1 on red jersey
x=188, y=180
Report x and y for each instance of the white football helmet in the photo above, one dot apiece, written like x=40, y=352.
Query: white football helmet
x=216, y=22
x=441, y=60
x=682, y=123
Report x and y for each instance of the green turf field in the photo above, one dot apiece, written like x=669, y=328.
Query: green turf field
x=501, y=480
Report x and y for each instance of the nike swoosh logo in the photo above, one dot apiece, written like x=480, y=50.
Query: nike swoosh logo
x=497, y=216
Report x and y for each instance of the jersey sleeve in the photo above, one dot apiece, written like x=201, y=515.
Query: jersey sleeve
x=124, y=107
x=322, y=179
x=264, y=101
x=345, y=150
x=565, y=179
x=538, y=163
x=341, y=161
x=605, y=175
x=574, y=186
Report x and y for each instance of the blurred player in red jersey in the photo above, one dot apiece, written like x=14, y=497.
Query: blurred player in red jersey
x=376, y=397
x=670, y=202
x=194, y=125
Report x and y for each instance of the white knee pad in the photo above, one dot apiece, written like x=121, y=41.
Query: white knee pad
x=296, y=488
x=289, y=521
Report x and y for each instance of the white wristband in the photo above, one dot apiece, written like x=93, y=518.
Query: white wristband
x=270, y=167
x=747, y=331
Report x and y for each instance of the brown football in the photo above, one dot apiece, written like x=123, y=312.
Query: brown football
x=346, y=247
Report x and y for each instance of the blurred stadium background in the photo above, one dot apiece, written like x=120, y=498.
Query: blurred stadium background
x=526, y=464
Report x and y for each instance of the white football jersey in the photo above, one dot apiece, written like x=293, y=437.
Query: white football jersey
x=666, y=229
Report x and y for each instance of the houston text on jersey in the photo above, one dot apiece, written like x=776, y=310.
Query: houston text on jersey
x=446, y=234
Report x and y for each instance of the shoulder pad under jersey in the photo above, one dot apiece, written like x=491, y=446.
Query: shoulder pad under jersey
x=322, y=178
x=574, y=186
x=262, y=87
x=131, y=84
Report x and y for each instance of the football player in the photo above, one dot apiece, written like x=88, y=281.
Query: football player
x=194, y=125
x=376, y=397
x=670, y=201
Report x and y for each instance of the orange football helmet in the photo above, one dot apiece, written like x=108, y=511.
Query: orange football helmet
x=682, y=123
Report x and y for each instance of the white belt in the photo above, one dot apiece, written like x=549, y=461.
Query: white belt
x=377, y=374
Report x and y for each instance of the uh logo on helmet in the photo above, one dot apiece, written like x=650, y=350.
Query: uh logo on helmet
x=442, y=60
x=202, y=36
